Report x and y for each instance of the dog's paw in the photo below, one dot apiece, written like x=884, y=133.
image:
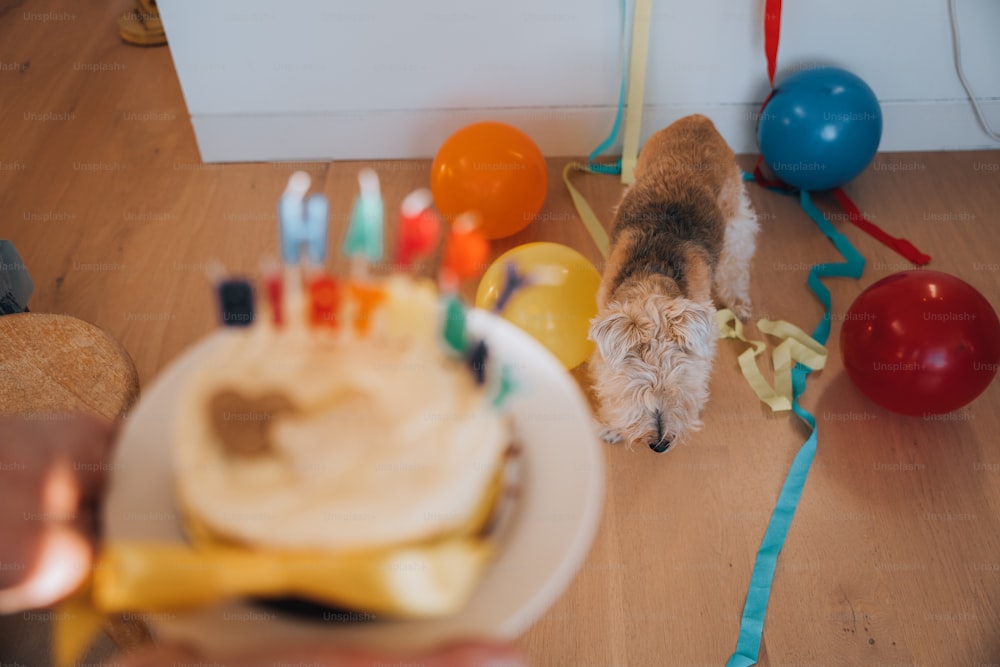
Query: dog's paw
x=610, y=435
x=743, y=310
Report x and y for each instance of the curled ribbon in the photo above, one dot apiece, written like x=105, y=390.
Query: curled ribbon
x=796, y=346
x=765, y=564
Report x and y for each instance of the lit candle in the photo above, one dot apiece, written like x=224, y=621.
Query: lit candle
x=455, y=335
x=303, y=222
x=324, y=300
x=236, y=302
x=363, y=242
x=274, y=290
x=291, y=206
x=367, y=297
x=465, y=252
x=419, y=228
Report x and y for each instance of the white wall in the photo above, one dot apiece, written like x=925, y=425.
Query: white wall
x=331, y=79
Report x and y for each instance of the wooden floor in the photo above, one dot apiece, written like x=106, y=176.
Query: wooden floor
x=894, y=555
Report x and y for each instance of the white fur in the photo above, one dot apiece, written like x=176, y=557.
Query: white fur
x=732, y=276
x=653, y=360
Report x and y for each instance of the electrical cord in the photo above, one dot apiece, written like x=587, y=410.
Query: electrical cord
x=956, y=45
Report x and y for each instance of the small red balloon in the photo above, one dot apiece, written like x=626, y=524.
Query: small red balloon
x=921, y=343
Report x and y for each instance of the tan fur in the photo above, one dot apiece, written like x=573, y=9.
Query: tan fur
x=698, y=271
x=613, y=266
x=683, y=231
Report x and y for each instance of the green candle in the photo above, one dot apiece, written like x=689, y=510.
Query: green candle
x=364, y=232
x=455, y=335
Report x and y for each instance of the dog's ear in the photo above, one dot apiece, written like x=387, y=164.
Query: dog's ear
x=692, y=325
x=620, y=331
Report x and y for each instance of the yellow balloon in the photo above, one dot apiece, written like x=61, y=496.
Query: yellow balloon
x=556, y=315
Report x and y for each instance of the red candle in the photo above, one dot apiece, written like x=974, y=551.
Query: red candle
x=419, y=228
x=324, y=300
x=274, y=287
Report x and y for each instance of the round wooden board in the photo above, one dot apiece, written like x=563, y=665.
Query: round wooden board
x=57, y=364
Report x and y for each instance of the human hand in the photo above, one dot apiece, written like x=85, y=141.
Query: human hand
x=460, y=655
x=52, y=475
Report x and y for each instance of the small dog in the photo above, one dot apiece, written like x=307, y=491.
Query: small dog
x=683, y=229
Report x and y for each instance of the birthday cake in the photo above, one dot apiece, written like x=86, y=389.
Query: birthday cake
x=353, y=416
x=297, y=439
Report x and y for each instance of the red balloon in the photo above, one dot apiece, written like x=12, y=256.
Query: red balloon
x=921, y=342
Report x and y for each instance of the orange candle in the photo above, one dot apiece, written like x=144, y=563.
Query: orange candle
x=367, y=298
x=466, y=250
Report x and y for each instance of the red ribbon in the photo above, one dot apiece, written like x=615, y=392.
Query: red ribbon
x=770, y=183
x=772, y=34
x=900, y=245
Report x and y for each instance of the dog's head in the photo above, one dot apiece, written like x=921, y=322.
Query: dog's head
x=652, y=365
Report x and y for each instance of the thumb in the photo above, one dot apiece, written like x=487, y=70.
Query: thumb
x=62, y=563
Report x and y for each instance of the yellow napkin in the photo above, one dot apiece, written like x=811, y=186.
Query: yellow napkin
x=434, y=577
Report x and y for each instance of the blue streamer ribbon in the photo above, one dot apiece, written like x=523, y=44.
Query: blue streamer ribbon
x=759, y=591
x=616, y=166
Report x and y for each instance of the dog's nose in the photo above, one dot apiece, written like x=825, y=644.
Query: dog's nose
x=659, y=446
x=662, y=442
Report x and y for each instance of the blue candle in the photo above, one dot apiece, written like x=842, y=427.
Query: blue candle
x=303, y=222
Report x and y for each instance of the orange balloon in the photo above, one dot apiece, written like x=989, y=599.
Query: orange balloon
x=495, y=170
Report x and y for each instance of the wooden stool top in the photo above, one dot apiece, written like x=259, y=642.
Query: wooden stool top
x=58, y=364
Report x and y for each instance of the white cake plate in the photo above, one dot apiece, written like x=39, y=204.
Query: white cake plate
x=540, y=549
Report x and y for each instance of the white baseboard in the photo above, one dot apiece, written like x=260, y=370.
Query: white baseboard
x=413, y=134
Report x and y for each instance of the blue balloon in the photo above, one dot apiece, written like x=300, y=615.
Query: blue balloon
x=820, y=128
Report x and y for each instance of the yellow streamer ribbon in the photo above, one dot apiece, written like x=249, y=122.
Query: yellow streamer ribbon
x=796, y=346
x=632, y=96
x=636, y=87
x=583, y=210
